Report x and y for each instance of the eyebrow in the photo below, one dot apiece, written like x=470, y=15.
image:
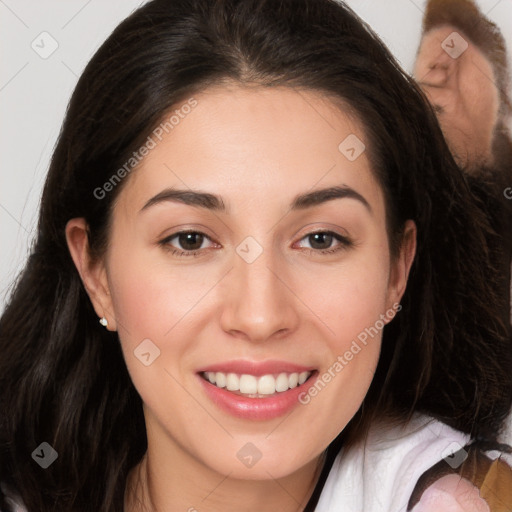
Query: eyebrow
x=215, y=203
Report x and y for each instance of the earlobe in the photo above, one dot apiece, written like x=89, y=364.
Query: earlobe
x=92, y=273
x=402, y=265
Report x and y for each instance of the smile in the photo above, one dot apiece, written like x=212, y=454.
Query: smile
x=256, y=391
x=254, y=386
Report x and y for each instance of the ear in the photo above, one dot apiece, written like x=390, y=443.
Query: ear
x=93, y=273
x=401, y=266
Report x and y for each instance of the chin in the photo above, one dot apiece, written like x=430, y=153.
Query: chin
x=243, y=466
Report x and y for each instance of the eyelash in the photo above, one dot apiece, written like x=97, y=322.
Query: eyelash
x=344, y=243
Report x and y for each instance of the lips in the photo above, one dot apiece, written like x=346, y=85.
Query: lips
x=256, y=391
x=256, y=368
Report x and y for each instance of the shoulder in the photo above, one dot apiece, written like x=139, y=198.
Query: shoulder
x=395, y=468
x=481, y=482
x=451, y=493
x=380, y=471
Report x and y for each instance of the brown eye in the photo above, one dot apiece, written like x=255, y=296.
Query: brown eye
x=187, y=243
x=190, y=241
x=320, y=240
x=325, y=242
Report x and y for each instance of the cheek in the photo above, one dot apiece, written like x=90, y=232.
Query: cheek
x=481, y=98
x=154, y=304
x=351, y=295
x=488, y=115
x=150, y=296
x=353, y=308
x=156, y=308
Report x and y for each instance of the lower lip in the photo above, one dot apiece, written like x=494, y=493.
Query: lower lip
x=248, y=408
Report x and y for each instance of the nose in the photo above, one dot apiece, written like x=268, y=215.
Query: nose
x=436, y=74
x=438, y=70
x=259, y=304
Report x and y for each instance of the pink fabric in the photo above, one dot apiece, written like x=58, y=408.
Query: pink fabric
x=451, y=494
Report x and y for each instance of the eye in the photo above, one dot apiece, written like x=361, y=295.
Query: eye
x=186, y=243
x=326, y=242
x=193, y=243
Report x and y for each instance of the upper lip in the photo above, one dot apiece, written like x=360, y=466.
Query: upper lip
x=256, y=368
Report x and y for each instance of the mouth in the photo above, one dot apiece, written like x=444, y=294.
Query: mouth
x=253, y=386
x=256, y=391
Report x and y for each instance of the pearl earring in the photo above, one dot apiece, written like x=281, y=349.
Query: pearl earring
x=104, y=322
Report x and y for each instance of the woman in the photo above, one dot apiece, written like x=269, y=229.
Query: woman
x=289, y=273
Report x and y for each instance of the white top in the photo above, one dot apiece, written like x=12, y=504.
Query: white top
x=379, y=474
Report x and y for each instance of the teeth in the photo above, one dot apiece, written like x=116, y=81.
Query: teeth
x=266, y=385
x=282, y=383
x=248, y=384
x=232, y=382
x=219, y=380
x=303, y=377
x=252, y=385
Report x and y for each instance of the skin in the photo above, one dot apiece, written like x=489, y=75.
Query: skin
x=257, y=149
x=451, y=493
x=463, y=93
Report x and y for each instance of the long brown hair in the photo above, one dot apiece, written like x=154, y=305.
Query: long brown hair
x=63, y=379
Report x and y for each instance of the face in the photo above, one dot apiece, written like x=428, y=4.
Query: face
x=273, y=281
x=462, y=90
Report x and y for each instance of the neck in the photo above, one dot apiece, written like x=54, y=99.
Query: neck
x=160, y=483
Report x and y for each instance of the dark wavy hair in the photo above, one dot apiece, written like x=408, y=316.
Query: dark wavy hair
x=63, y=379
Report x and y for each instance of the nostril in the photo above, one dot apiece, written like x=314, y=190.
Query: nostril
x=439, y=64
x=435, y=77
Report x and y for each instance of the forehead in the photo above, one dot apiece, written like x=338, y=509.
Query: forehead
x=255, y=143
